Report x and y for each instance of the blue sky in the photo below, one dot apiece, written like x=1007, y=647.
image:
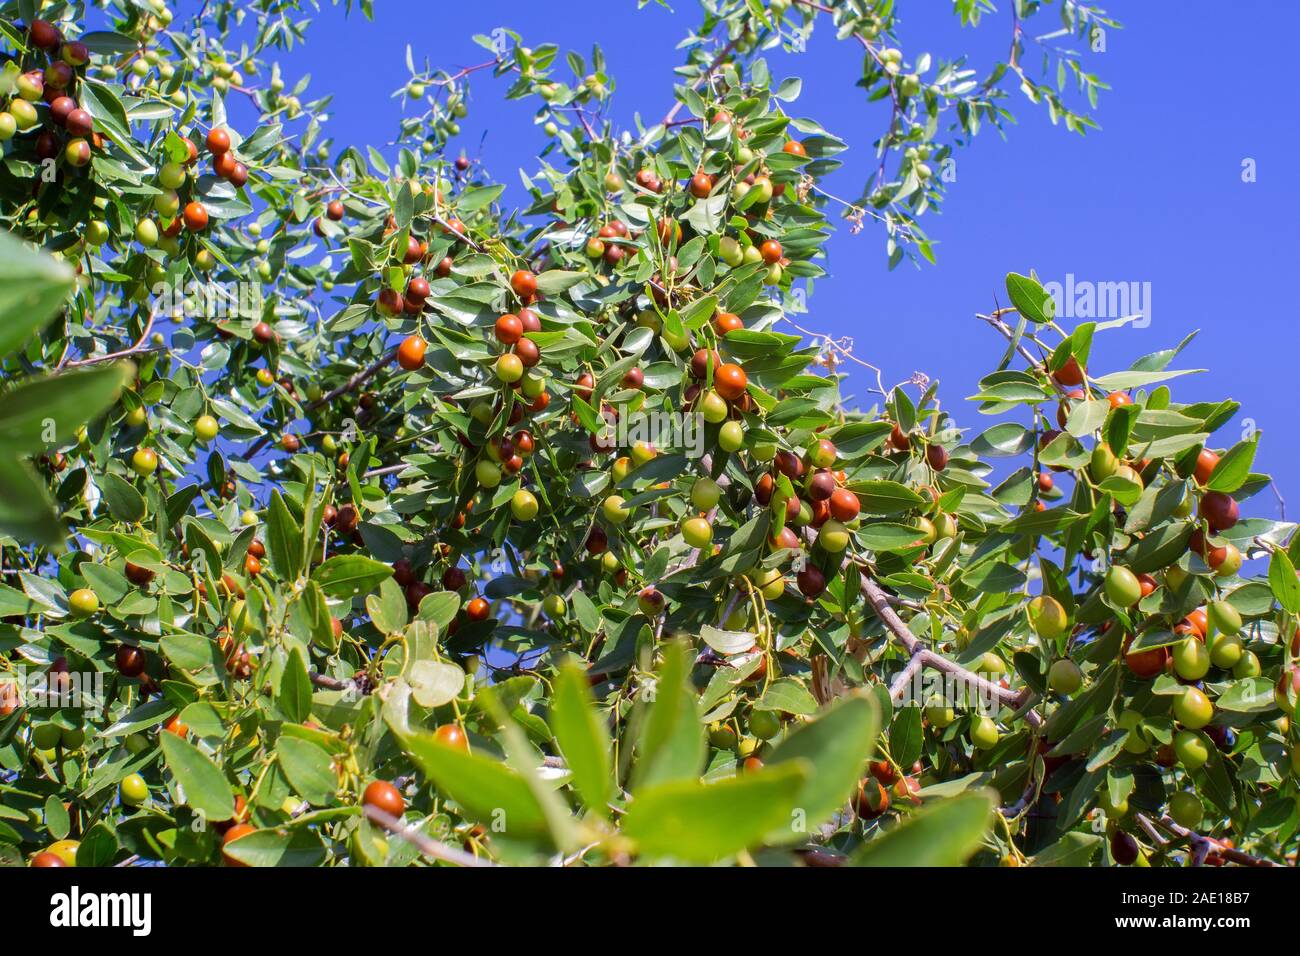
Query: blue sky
x=1156, y=196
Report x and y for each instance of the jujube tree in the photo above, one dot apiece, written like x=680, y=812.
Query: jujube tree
x=337, y=530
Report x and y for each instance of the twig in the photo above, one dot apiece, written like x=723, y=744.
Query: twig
x=97, y=359
x=1202, y=846
x=842, y=346
x=899, y=684
x=879, y=601
x=464, y=237
x=464, y=71
x=325, y=682
x=699, y=81
x=1281, y=502
x=431, y=848
x=355, y=382
x=386, y=470
x=1005, y=329
x=1026, y=799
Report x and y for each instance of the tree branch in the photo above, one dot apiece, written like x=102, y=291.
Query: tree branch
x=700, y=80
x=899, y=684
x=97, y=359
x=430, y=848
x=924, y=657
x=355, y=382
x=1201, y=846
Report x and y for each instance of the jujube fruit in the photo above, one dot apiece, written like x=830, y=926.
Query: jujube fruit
x=450, y=735
x=410, y=354
x=218, y=140
x=383, y=796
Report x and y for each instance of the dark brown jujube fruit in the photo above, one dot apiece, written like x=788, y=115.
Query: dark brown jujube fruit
x=821, y=486
x=811, y=581
x=789, y=464
x=137, y=575
x=1219, y=510
x=130, y=660
x=1123, y=848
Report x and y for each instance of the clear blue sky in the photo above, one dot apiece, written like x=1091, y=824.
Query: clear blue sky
x=1155, y=196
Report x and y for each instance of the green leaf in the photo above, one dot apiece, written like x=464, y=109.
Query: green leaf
x=32, y=284
x=1086, y=417
x=906, y=736
x=191, y=652
x=14, y=603
x=26, y=511
x=671, y=745
x=946, y=833
x=57, y=820
x=525, y=760
x=103, y=104
x=1004, y=440
x=1283, y=582
x=1073, y=849
x=1234, y=467
x=486, y=789
x=42, y=413
x=310, y=618
x=585, y=612
x=297, y=847
x=885, y=497
x=98, y=846
x=701, y=823
x=348, y=575
x=147, y=714
x=284, y=539
x=788, y=696
x=886, y=536
x=309, y=769
x=435, y=683
x=110, y=586
x=583, y=738
x=205, y=786
x=109, y=42
x=836, y=746
x=387, y=609
x=124, y=502
x=1030, y=298
x=556, y=281
x=295, y=688
x=440, y=608
x=1251, y=695
x=1123, y=381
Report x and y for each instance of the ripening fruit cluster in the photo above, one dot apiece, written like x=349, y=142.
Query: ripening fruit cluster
x=1126, y=615
x=66, y=130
